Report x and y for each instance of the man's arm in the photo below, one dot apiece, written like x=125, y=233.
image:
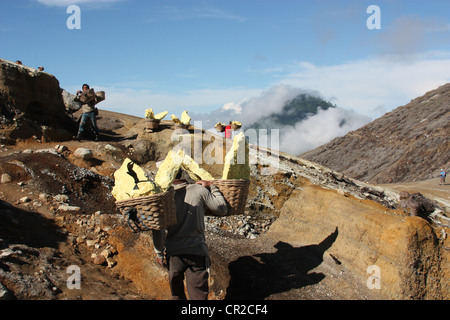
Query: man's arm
x=77, y=97
x=214, y=199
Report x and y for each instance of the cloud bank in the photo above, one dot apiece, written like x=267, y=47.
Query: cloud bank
x=305, y=135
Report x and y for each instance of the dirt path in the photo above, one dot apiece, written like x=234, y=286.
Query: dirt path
x=429, y=188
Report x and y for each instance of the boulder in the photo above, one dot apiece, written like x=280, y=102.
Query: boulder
x=416, y=204
x=83, y=153
x=31, y=104
x=68, y=99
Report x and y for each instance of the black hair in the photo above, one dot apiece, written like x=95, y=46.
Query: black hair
x=86, y=85
x=179, y=174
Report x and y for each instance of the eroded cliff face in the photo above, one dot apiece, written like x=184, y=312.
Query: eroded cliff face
x=31, y=104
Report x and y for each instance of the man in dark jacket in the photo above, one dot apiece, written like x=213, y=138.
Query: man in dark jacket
x=185, y=244
x=88, y=101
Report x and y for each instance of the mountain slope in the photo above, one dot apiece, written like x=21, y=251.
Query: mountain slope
x=408, y=144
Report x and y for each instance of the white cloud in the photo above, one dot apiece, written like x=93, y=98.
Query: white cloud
x=304, y=135
x=380, y=83
x=319, y=129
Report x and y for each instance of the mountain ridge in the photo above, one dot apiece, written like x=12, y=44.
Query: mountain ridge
x=409, y=143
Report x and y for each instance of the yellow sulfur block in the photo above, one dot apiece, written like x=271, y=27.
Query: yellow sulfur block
x=175, y=119
x=185, y=118
x=161, y=115
x=237, y=165
x=149, y=114
x=194, y=170
x=124, y=183
x=168, y=169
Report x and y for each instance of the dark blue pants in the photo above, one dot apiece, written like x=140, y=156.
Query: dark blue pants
x=85, y=117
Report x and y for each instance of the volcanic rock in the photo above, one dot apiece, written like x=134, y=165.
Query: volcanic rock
x=31, y=105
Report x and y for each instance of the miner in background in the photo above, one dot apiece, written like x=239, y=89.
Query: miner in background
x=88, y=100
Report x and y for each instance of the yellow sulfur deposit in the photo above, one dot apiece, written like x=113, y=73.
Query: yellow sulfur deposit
x=237, y=164
x=161, y=115
x=194, y=170
x=149, y=114
x=131, y=181
x=169, y=169
x=125, y=183
x=174, y=161
x=175, y=119
x=185, y=119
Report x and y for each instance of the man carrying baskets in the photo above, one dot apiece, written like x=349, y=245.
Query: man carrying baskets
x=185, y=244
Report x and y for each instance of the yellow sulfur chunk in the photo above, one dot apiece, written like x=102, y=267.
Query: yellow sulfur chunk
x=172, y=163
x=161, y=115
x=194, y=170
x=168, y=169
x=237, y=165
x=175, y=119
x=124, y=183
x=185, y=119
x=149, y=114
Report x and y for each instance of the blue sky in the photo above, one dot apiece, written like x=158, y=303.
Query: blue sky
x=202, y=55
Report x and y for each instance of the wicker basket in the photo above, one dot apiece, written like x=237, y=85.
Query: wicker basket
x=220, y=128
x=235, y=192
x=235, y=126
x=100, y=96
x=153, y=212
x=152, y=124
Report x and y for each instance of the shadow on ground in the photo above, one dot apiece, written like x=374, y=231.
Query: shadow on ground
x=262, y=275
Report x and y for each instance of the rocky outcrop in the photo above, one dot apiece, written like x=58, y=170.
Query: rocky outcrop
x=410, y=143
x=31, y=104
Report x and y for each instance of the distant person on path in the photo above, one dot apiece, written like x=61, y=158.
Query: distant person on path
x=88, y=100
x=443, y=174
x=228, y=131
x=184, y=243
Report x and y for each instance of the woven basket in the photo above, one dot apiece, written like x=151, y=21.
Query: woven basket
x=235, y=126
x=235, y=192
x=152, y=124
x=100, y=96
x=154, y=212
x=220, y=128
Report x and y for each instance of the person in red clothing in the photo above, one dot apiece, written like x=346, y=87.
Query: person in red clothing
x=228, y=131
